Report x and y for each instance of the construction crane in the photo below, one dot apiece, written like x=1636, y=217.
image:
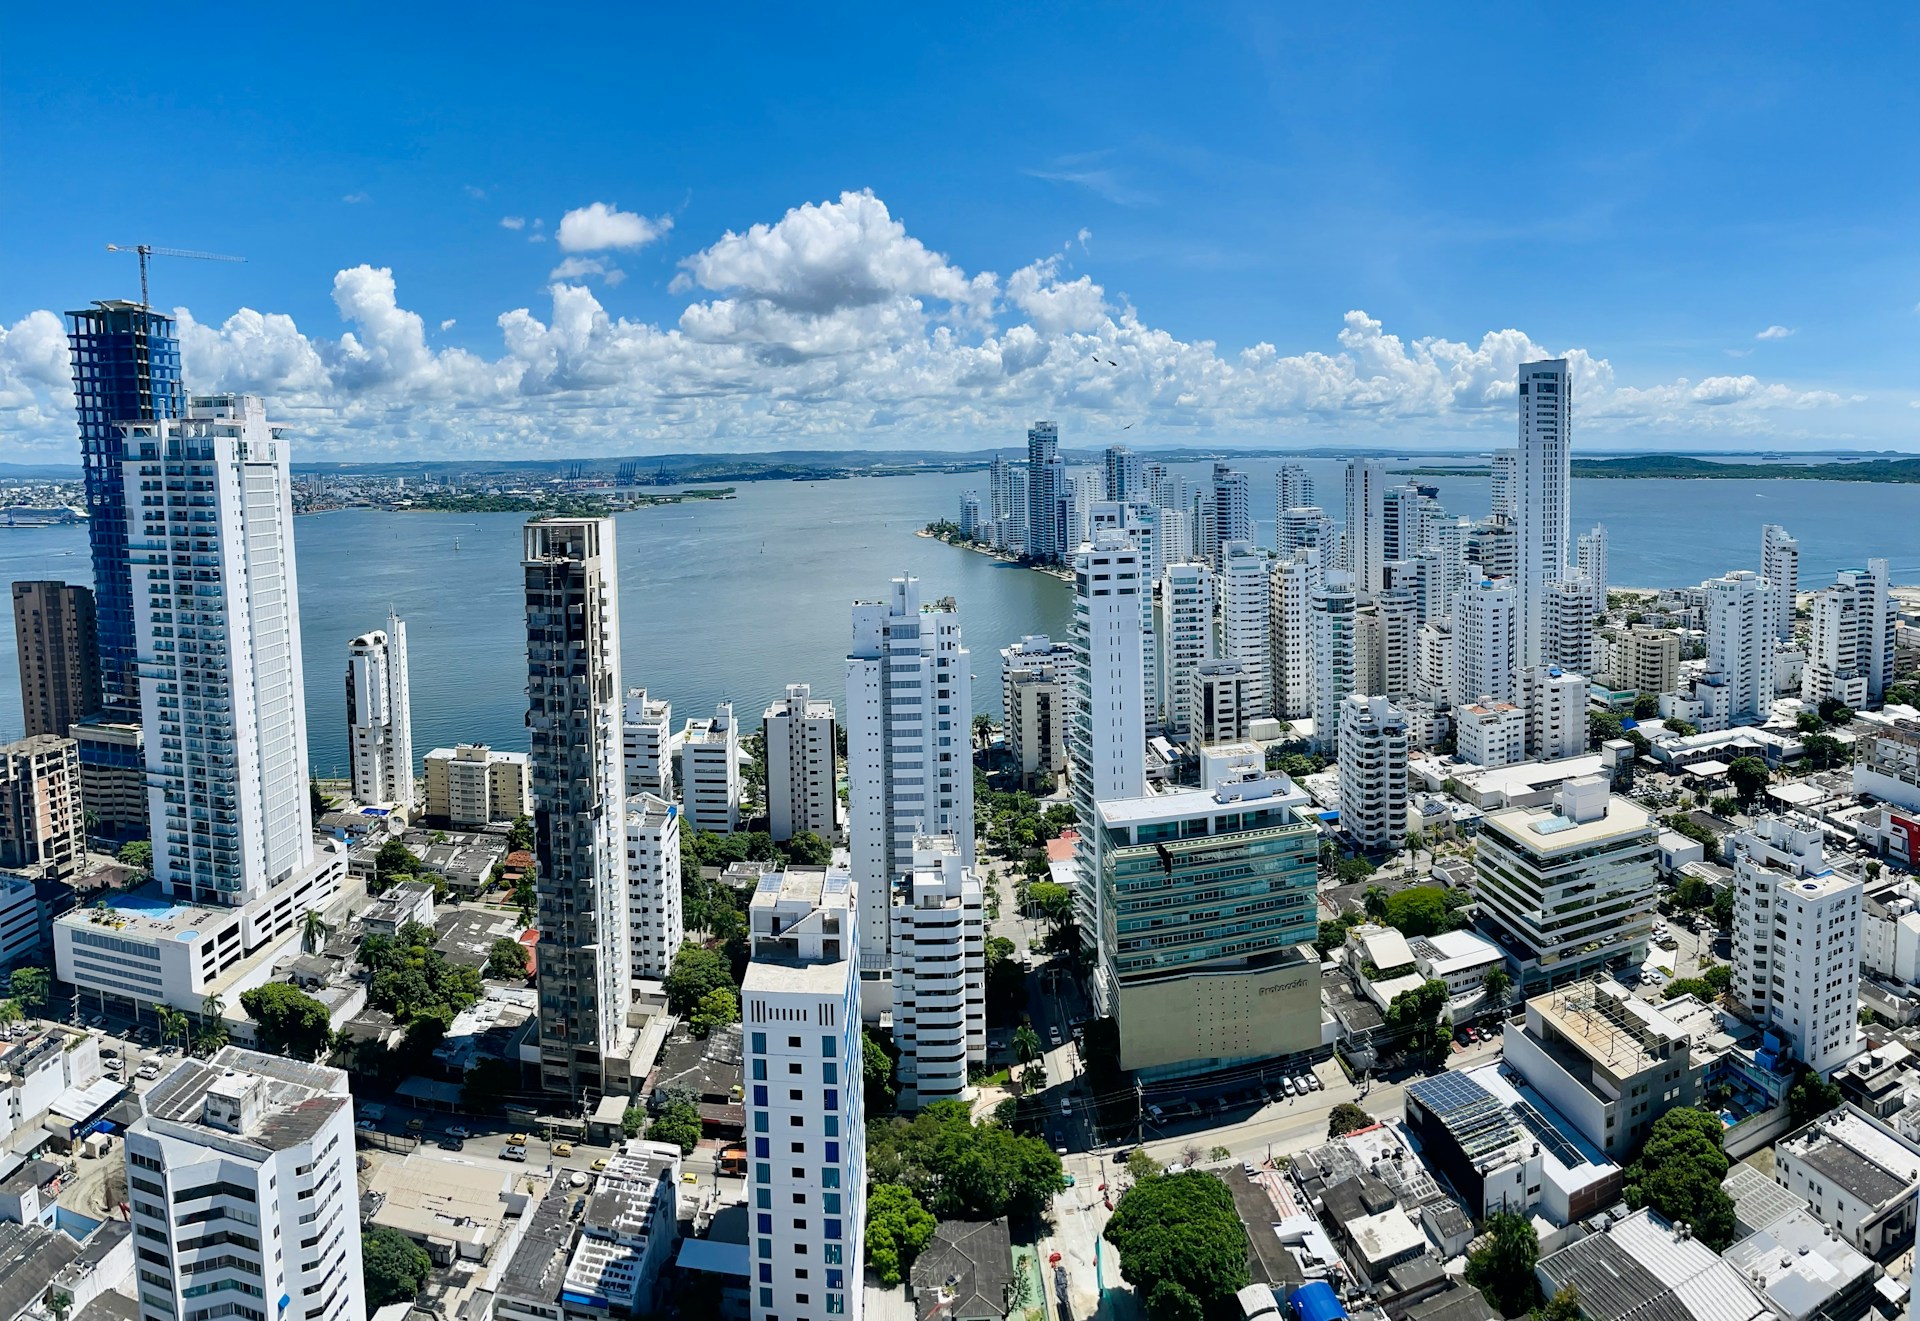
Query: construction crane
x=146, y=250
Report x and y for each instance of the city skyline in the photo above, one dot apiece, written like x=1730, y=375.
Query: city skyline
x=1292, y=257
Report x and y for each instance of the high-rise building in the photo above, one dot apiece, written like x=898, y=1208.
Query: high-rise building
x=1185, y=637
x=1046, y=539
x=113, y=778
x=1403, y=512
x=939, y=973
x=42, y=824
x=1218, y=701
x=1649, y=660
x=1590, y=565
x=800, y=1013
x=1737, y=687
x=1543, y=477
x=379, y=716
x=646, y=745
x=1245, y=627
x=1034, y=675
x=1568, y=888
x=1780, y=566
x=573, y=720
x=802, y=788
x=971, y=520
x=210, y=525
x=1335, y=666
x=1485, y=639
x=1850, y=656
x=1373, y=772
x=1569, y=638
x=475, y=785
x=1796, y=940
x=1303, y=526
x=1290, y=589
x=1494, y=548
x=1396, y=636
x=1503, y=476
x=1124, y=477
x=53, y=627
x=655, y=925
x=1076, y=518
x=1232, y=505
x=126, y=369
x=710, y=772
x=1365, y=535
x=240, y=1179
x=1434, y=675
x=909, y=749
x=1555, y=701
x=1212, y=896
x=1292, y=488
x=1107, y=723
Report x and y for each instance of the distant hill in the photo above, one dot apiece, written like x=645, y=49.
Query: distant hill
x=1903, y=470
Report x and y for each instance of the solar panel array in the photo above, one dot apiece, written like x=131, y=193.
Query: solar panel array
x=1550, y=1137
x=1478, y=1122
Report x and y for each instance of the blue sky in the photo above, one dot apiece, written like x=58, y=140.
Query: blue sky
x=1277, y=224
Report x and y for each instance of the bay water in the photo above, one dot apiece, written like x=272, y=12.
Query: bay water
x=735, y=599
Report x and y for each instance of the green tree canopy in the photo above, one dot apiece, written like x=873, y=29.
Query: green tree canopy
x=679, y=1122
x=1420, y=910
x=1347, y=1118
x=287, y=1020
x=696, y=972
x=897, y=1228
x=1749, y=776
x=412, y=980
x=394, y=1266
x=1502, y=1266
x=1497, y=984
x=877, y=1074
x=1646, y=706
x=1810, y=1097
x=807, y=849
x=138, y=854
x=1182, y=1229
x=1414, y=1017
x=395, y=862
x=507, y=960
x=716, y=1009
x=30, y=986
x=961, y=1169
x=1679, y=1171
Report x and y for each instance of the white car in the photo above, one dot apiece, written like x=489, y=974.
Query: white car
x=1286, y=1085
x=513, y=1151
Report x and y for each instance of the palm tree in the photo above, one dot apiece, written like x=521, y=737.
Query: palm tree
x=1375, y=900
x=1498, y=984
x=213, y=1009
x=982, y=730
x=9, y=1013
x=1026, y=1044
x=313, y=932
x=172, y=1023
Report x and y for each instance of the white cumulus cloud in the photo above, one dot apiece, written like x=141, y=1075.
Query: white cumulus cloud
x=513, y=222
x=597, y=227
x=833, y=324
x=1774, y=332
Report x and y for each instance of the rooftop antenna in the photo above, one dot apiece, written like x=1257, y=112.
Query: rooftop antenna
x=147, y=250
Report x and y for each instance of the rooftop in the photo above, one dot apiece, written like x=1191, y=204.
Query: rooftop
x=539, y=1265
x=1866, y=1158
x=1542, y=830
x=964, y=1272
x=1799, y=1265
x=1613, y=1029
x=30, y=1258
x=1642, y=1268
x=299, y=1099
x=1272, y=790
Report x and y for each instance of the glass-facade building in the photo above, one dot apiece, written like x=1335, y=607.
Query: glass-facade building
x=1208, y=897
x=126, y=368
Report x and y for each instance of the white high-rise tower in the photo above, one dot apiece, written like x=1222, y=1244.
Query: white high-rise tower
x=1290, y=589
x=1542, y=478
x=379, y=725
x=1107, y=724
x=802, y=790
x=573, y=722
x=1365, y=535
x=1185, y=638
x=1485, y=640
x=216, y=616
x=1292, y=488
x=1244, y=623
x=909, y=751
x=1335, y=665
x=1780, y=566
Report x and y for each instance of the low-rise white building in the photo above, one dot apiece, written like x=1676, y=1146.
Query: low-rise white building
x=1858, y=1177
x=939, y=973
x=1461, y=959
x=133, y=949
x=628, y=1229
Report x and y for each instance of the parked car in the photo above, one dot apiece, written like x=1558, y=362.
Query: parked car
x=1313, y=1081
x=458, y=1131
x=364, y=1125
x=562, y=1148
x=513, y=1151
x=452, y=1143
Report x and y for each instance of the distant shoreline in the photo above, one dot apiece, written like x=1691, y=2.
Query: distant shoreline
x=1051, y=570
